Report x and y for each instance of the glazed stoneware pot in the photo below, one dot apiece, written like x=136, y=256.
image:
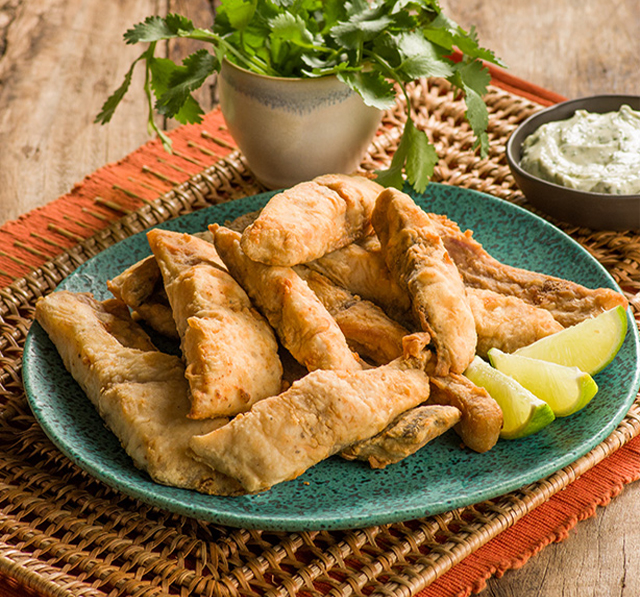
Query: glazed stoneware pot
x=291, y=130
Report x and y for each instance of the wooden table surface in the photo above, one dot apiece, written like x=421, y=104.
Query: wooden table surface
x=59, y=59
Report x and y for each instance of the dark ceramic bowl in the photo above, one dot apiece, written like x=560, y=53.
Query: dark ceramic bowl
x=597, y=211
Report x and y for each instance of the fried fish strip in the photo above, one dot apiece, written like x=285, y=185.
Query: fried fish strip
x=411, y=431
x=364, y=272
x=141, y=288
x=368, y=329
x=414, y=253
x=141, y=393
x=137, y=283
x=304, y=326
x=230, y=350
x=568, y=302
x=481, y=417
x=507, y=322
x=319, y=415
x=311, y=219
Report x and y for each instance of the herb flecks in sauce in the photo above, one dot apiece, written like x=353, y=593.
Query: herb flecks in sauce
x=592, y=152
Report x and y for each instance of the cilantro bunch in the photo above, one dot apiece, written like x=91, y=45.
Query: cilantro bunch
x=370, y=45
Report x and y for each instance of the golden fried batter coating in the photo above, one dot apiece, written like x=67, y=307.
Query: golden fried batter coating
x=141, y=393
x=311, y=219
x=302, y=323
x=319, y=415
x=230, y=350
x=414, y=253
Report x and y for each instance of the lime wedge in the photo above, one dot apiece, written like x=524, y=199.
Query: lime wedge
x=523, y=413
x=565, y=389
x=589, y=345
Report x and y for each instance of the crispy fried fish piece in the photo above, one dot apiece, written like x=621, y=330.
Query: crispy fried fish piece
x=319, y=415
x=568, y=302
x=364, y=273
x=368, y=329
x=141, y=393
x=311, y=219
x=414, y=253
x=141, y=288
x=411, y=431
x=230, y=350
x=137, y=283
x=304, y=326
x=481, y=417
x=507, y=322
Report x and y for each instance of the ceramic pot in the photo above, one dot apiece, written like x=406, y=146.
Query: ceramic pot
x=291, y=130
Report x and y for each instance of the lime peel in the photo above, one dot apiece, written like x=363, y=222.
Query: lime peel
x=523, y=413
x=589, y=345
x=566, y=389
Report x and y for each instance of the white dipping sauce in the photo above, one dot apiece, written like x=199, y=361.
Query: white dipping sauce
x=590, y=152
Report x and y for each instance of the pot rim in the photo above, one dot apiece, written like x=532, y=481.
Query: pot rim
x=226, y=61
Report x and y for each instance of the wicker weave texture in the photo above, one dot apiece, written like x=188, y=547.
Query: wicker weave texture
x=65, y=533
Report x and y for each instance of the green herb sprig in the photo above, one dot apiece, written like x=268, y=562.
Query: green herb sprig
x=369, y=45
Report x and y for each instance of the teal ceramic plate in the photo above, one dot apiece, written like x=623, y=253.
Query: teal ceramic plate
x=337, y=494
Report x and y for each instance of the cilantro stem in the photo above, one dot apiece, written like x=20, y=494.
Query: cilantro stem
x=390, y=72
x=249, y=61
x=151, y=124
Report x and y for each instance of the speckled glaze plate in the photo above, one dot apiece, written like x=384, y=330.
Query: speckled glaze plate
x=338, y=494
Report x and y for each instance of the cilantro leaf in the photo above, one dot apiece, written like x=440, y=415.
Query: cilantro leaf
x=421, y=157
x=362, y=26
x=473, y=78
x=156, y=28
x=415, y=155
x=448, y=35
x=354, y=7
x=288, y=40
x=392, y=176
x=374, y=89
x=334, y=12
x=239, y=12
x=474, y=75
x=173, y=84
x=412, y=56
x=112, y=102
x=292, y=29
x=283, y=3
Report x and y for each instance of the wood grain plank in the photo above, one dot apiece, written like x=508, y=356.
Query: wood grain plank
x=202, y=13
x=62, y=59
x=572, y=47
x=600, y=558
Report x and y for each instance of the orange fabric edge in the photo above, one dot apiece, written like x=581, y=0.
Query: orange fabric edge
x=512, y=84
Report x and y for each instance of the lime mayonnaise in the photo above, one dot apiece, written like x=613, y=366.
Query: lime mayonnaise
x=592, y=152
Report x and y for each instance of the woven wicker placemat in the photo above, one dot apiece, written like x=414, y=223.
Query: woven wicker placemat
x=65, y=533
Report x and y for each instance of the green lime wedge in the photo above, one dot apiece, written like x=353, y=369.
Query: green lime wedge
x=589, y=345
x=565, y=389
x=523, y=413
